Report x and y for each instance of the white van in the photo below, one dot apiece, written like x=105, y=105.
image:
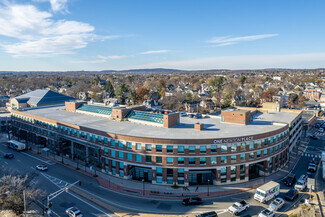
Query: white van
x=301, y=183
x=267, y=192
x=321, y=130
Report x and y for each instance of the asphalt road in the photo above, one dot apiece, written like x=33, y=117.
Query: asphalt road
x=58, y=175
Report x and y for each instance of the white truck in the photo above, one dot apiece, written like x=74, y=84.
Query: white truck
x=267, y=192
x=238, y=207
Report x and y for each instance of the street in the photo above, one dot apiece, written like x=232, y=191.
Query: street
x=59, y=176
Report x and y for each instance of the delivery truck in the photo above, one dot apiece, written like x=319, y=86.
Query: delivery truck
x=267, y=192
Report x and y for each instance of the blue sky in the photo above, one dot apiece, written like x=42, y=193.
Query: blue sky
x=182, y=34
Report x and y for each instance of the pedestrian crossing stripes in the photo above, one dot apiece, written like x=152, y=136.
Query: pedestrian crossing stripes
x=58, y=182
x=311, y=155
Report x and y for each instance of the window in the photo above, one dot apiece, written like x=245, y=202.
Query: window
x=243, y=146
x=158, y=148
x=203, y=161
x=251, y=145
x=223, y=171
x=105, y=139
x=180, y=149
x=277, y=138
x=191, y=161
x=158, y=160
x=99, y=139
x=180, y=172
x=213, y=149
x=266, y=141
x=78, y=133
x=106, y=161
x=88, y=136
x=203, y=149
x=251, y=156
x=159, y=171
x=148, y=147
x=258, y=154
x=180, y=161
x=271, y=140
x=138, y=158
x=242, y=157
x=233, y=147
x=129, y=156
x=113, y=153
x=121, y=165
x=137, y=146
x=265, y=152
x=223, y=159
x=113, y=143
x=191, y=149
x=233, y=158
x=129, y=145
x=224, y=148
x=233, y=170
x=169, y=160
x=276, y=148
x=271, y=150
x=259, y=144
x=106, y=150
x=169, y=149
x=94, y=138
x=120, y=144
x=148, y=159
x=213, y=161
x=280, y=146
x=120, y=154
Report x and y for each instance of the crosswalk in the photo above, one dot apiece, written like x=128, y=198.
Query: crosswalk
x=312, y=155
x=58, y=182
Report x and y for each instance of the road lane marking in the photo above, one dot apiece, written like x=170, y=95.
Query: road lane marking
x=47, y=177
x=18, y=160
x=6, y=162
x=47, y=162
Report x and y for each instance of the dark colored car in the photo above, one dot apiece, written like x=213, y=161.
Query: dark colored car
x=190, y=115
x=9, y=155
x=208, y=214
x=192, y=201
x=290, y=180
x=291, y=194
x=313, y=137
x=198, y=115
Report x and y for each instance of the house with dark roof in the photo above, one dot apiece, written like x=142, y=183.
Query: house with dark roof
x=38, y=98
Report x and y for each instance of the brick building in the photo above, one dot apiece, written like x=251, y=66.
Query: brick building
x=131, y=143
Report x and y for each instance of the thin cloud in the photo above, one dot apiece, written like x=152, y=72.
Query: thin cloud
x=154, y=52
x=300, y=60
x=101, y=59
x=56, y=5
x=38, y=34
x=229, y=40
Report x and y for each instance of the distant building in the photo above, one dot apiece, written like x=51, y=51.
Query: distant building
x=38, y=98
x=312, y=94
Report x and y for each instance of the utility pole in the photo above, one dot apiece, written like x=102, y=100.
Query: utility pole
x=24, y=203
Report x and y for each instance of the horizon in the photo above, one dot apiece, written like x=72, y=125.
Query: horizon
x=44, y=35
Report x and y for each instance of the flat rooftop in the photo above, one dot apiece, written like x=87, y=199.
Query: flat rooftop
x=213, y=128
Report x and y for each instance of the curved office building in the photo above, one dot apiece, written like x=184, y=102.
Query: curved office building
x=236, y=146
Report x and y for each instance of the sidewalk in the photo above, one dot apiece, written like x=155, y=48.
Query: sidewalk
x=137, y=188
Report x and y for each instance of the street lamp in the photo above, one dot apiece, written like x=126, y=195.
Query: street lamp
x=208, y=187
x=143, y=187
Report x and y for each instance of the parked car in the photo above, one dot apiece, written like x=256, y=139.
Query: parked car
x=73, y=212
x=238, y=207
x=198, y=115
x=183, y=114
x=312, y=167
x=9, y=155
x=190, y=115
x=276, y=204
x=309, y=175
x=208, y=214
x=41, y=167
x=192, y=201
x=290, y=180
x=301, y=183
x=267, y=213
x=313, y=137
x=291, y=194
